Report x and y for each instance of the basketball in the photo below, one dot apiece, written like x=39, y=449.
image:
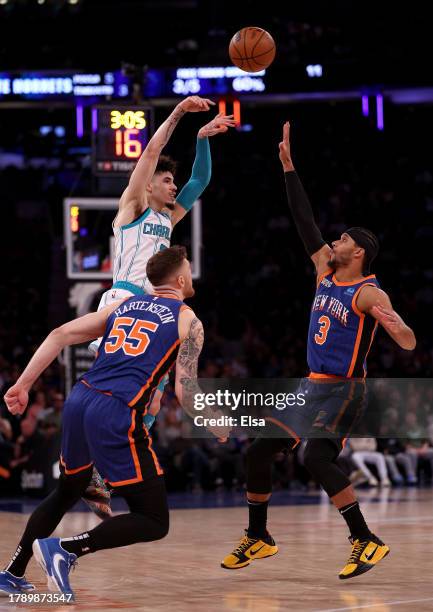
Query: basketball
x=252, y=49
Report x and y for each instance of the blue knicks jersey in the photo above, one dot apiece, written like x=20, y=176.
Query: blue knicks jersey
x=140, y=345
x=340, y=335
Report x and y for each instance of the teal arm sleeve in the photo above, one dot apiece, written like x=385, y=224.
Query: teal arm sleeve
x=148, y=420
x=200, y=177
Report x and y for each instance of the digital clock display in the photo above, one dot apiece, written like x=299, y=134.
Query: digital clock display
x=120, y=135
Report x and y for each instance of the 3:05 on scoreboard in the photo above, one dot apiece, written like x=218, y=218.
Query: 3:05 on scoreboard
x=119, y=136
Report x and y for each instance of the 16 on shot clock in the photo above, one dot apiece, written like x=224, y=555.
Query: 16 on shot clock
x=120, y=135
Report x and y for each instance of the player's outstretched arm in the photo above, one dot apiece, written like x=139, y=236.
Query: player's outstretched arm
x=376, y=302
x=300, y=208
x=77, y=331
x=202, y=167
x=191, y=334
x=134, y=195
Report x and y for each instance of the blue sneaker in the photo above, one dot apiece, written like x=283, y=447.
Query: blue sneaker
x=56, y=563
x=10, y=584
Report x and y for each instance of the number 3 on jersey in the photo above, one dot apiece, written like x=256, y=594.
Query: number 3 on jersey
x=133, y=341
x=325, y=324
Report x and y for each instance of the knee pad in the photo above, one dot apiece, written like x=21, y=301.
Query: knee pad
x=319, y=452
x=259, y=464
x=319, y=459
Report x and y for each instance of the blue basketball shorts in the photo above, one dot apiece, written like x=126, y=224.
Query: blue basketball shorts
x=102, y=430
x=330, y=409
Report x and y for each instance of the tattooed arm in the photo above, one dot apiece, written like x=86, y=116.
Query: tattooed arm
x=186, y=386
x=134, y=199
x=192, y=335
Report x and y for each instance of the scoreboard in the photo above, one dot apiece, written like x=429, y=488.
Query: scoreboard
x=119, y=136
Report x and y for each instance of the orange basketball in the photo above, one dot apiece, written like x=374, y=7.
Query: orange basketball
x=252, y=49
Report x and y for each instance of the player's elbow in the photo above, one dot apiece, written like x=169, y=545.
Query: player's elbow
x=410, y=344
x=152, y=151
x=406, y=339
x=61, y=336
x=58, y=334
x=205, y=179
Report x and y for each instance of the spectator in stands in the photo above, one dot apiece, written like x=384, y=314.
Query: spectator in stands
x=417, y=444
x=6, y=448
x=364, y=451
x=52, y=416
x=394, y=450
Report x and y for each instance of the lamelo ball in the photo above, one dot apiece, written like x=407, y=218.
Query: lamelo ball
x=252, y=49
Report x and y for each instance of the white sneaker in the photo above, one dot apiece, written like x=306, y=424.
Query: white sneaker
x=372, y=482
x=386, y=482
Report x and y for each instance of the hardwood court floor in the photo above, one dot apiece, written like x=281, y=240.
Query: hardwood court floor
x=182, y=573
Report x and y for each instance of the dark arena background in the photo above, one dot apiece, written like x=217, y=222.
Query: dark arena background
x=355, y=82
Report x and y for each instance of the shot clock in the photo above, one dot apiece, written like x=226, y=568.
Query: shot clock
x=120, y=135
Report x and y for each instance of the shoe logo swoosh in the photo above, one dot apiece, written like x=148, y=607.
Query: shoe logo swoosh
x=56, y=562
x=254, y=552
x=371, y=555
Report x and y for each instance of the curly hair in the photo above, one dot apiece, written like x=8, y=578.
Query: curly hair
x=166, y=164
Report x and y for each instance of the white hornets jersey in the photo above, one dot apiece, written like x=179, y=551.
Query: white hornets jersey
x=135, y=243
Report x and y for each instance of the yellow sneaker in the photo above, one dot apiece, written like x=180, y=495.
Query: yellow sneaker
x=248, y=550
x=364, y=556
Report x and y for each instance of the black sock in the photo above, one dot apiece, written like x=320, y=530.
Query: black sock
x=258, y=512
x=47, y=516
x=355, y=521
x=18, y=563
x=79, y=544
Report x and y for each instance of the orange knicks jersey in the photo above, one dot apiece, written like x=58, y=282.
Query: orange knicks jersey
x=140, y=345
x=340, y=335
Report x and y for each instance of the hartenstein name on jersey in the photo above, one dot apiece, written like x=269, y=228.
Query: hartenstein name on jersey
x=331, y=306
x=163, y=312
x=153, y=229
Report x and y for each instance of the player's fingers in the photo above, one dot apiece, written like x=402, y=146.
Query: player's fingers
x=208, y=101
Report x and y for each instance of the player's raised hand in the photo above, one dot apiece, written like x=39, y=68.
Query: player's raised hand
x=16, y=399
x=284, y=146
x=195, y=104
x=219, y=124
